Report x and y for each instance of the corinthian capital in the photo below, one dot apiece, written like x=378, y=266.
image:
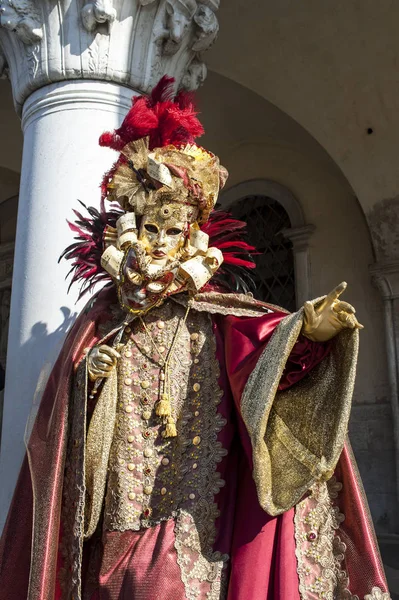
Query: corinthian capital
x=132, y=43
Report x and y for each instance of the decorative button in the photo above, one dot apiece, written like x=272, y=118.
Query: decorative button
x=191, y=496
x=161, y=325
x=163, y=491
x=165, y=461
x=194, y=336
x=146, y=414
x=196, y=440
x=196, y=387
x=146, y=434
x=130, y=466
x=130, y=438
x=148, y=452
x=162, y=349
x=145, y=401
x=196, y=414
x=128, y=381
x=131, y=495
x=128, y=354
x=145, y=384
x=312, y=536
x=147, y=490
x=147, y=513
x=196, y=361
x=129, y=409
x=195, y=465
x=148, y=471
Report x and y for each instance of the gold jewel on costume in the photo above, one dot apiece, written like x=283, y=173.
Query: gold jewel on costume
x=163, y=407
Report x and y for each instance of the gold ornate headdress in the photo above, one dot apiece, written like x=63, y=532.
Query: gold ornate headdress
x=161, y=171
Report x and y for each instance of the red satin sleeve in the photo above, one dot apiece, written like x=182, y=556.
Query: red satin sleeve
x=244, y=341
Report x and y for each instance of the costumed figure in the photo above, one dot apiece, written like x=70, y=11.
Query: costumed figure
x=191, y=440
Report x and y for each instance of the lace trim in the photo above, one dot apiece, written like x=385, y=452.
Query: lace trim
x=320, y=551
x=201, y=572
x=72, y=512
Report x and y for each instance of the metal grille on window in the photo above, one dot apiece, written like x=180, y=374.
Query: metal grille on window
x=274, y=274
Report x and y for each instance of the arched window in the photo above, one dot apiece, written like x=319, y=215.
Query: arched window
x=277, y=227
x=275, y=272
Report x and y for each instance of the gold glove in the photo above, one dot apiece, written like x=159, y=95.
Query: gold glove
x=323, y=321
x=101, y=360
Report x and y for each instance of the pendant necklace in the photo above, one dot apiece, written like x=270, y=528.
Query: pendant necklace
x=163, y=407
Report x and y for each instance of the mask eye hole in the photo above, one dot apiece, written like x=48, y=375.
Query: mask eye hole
x=151, y=228
x=173, y=231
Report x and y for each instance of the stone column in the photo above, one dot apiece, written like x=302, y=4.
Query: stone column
x=300, y=236
x=385, y=275
x=73, y=67
x=384, y=228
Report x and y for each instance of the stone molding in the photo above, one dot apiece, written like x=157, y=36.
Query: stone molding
x=130, y=43
x=385, y=275
x=73, y=95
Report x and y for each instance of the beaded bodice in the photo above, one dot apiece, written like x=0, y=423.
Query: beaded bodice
x=151, y=477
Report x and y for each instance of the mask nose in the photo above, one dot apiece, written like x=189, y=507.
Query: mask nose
x=161, y=237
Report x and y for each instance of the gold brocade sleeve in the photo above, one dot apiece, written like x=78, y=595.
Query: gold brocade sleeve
x=297, y=434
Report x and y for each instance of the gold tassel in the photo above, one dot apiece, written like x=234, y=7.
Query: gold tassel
x=163, y=408
x=170, y=429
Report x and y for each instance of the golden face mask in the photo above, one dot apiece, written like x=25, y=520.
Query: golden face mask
x=163, y=233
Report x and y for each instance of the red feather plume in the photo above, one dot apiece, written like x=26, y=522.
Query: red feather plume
x=164, y=118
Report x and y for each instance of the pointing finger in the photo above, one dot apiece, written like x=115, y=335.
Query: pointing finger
x=333, y=295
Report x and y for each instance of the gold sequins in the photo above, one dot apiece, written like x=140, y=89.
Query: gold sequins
x=145, y=384
x=165, y=461
x=148, y=452
x=128, y=381
x=128, y=354
x=147, y=490
x=129, y=409
x=161, y=324
x=163, y=491
x=130, y=466
x=191, y=496
x=131, y=495
x=196, y=440
x=196, y=387
x=146, y=415
x=130, y=438
x=194, y=336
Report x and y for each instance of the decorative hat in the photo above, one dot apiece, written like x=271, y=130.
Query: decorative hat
x=159, y=161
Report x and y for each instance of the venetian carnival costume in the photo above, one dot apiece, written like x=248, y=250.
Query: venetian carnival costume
x=190, y=442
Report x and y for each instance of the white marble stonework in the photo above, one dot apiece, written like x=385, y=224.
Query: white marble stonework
x=131, y=42
x=73, y=67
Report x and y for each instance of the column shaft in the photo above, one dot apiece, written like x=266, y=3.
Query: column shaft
x=62, y=163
